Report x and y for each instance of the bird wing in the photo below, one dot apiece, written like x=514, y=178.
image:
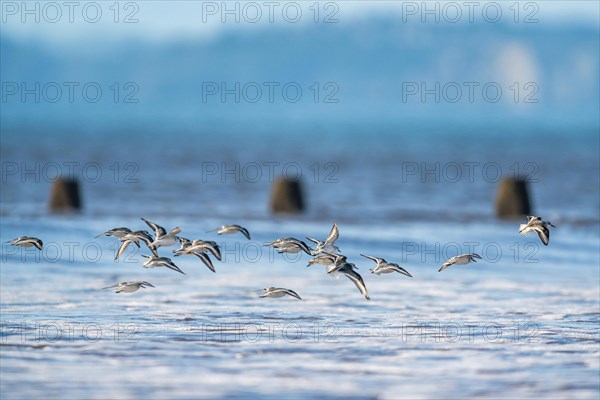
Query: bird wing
x=215, y=250
x=333, y=271
x=169, y=264
x=122, y=248
x=377, y=260
x=522, y=228
x=174, y=231
x=206, y=260
x=315, y=241
x=358, y=281
x=244, y=232
x=158, y=230
x=401, y=270
x=334, y=234
x=148, y=240
x=112, y=286
x=544, y=234
x=292, y=293
x=304, y=247
x=447, y=264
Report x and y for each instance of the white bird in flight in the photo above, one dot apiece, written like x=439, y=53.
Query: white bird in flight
x=460, y=260
x=154, y=262
x=135, y=237
x=290, y=245
x=349, y=271
x=231, y=229
x=329, y=244
x=27, y=241
x=161, y=236
x=384, y=267
x=278, y=292
x=537, y=225
x=116, y=232
x=129, y=287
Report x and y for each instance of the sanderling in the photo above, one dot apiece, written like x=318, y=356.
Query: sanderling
x=460, y=260
x=135, y=237
x=277, y=242
x=293, y=247
x=290, y=245
x=231, y=229
x=203, y=246
x=339, y=261
x=535, y=224
x=329, y=244
x=162, y=238
x=384, y=267
x=129, y=287
x=278, y=292
x=201, y=255
x=154, y=261
x=183, y=243
x=199, y=248
x=116, y=232
x=27, y=241
x=348, y=269
x=322, y=259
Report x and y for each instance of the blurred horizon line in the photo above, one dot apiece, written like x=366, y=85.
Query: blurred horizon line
x=154, y=20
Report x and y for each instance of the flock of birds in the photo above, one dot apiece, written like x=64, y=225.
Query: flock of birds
x=325, y=253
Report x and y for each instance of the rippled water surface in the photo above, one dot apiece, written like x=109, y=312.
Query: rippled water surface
x=524, y=322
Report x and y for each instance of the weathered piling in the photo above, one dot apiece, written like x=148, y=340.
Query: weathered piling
x=512, y=199
x=286, y=196
x=64, y=196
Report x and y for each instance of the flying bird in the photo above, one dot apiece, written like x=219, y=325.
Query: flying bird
x=116, y=232
x=537, y=225
x=154, y=262
x=329, y=244
x=349, y=271
x=290, y=245
x=460, y=260
x=162, y=237
x=27, y=241
x=384, y=267
x=278, y=292
x=129, y=287
x=231, y=229
x=136, y=237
